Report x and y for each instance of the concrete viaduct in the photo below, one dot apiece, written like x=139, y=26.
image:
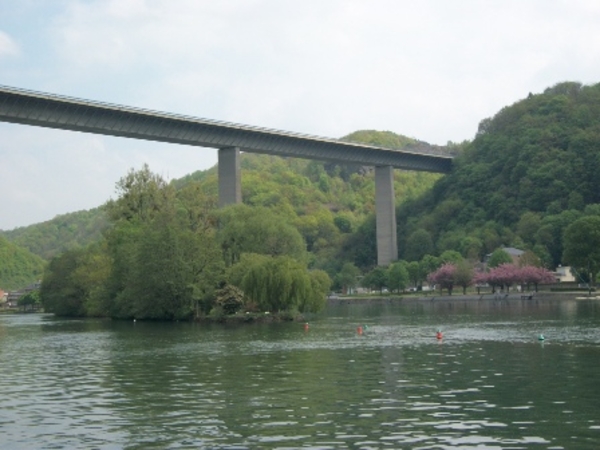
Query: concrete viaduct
x=66, y=113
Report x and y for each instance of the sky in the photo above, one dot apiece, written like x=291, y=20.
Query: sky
x=427, y=69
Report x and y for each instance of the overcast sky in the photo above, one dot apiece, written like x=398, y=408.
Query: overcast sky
x=428, y=69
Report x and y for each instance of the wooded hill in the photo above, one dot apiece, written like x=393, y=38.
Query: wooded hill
x=531, y=170
x=18, y=266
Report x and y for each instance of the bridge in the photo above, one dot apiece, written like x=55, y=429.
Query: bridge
x=66, y=113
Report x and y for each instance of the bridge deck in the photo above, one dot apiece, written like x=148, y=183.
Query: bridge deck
x=66, y=113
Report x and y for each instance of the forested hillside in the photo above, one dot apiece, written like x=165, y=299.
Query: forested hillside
x=64, y=232
x=532, y=170
x=18, y=267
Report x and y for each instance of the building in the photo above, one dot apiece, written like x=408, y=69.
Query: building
x=563, y=275
x=514, y=253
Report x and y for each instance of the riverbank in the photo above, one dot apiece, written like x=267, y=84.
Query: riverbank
x=433, y=297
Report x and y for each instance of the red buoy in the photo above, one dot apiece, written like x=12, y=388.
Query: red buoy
x=306, y=326
x=359, y=330
x=439, y=335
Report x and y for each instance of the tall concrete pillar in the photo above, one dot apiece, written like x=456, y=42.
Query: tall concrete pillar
x=230, y=184
x=385, y=210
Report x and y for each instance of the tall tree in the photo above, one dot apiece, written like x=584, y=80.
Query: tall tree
x=397, y=276
x=141, y=194
x=582, y=245
x=347, y=278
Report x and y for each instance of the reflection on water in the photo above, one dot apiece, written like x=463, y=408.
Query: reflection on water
x=489, y=384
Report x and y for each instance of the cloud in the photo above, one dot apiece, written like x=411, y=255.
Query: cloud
x=430, y=69
x=8, y=46
x=327, y=67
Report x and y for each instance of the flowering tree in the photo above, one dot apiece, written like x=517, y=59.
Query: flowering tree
x=506, y=274
x=536, y=276
x=509, y=274
x=444, y=277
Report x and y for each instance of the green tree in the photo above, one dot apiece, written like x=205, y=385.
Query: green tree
x=376, y=278
x=30, y=301
x=281, y=284
x=244, y=229
x=235, y=273
x=229, y=299
x=347, y=277
x=141, y=194
x=415, y=273
x=463, y=276
x=320, y=284
x=418, y=245
x=430, y=264
x=451, y=256
x=397, y=276
x=499, y=257
x=173, y=270
x=582, y=246
x=60, y=292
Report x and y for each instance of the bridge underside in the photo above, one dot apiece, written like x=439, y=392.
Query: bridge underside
x=53, y=111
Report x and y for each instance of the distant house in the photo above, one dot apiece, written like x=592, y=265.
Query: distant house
x=563, y=274
x=12, y=298
x=514, y=253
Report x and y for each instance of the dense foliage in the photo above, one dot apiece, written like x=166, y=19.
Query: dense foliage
x=64, y=232
x=166, y=253
x=18, y=267
x=531, y=171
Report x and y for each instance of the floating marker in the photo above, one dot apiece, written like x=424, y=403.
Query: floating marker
x=439, y=335
x=359, y=330
x=541, y=337
x=306, y=326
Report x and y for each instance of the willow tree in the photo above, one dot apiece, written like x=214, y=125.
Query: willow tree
x=284, y=284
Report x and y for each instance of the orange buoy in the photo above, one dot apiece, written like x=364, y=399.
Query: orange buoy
x=439, y=335
x=359, y=330
x=306, y=326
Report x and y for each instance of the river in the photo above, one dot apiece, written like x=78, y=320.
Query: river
x=490, y=383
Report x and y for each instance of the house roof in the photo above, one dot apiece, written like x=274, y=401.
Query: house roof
x=513, y=251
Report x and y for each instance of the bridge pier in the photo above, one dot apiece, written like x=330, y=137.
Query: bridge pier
x=230, y=192
x=385, y=215
x=230, y=184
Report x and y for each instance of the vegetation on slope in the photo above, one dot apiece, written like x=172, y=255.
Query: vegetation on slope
x=532, y=169
x=64, y=232
x=18, y=267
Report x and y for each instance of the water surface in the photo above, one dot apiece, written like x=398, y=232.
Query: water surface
x=488, y=384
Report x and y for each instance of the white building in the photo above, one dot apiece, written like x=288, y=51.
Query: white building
x=564, y=275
